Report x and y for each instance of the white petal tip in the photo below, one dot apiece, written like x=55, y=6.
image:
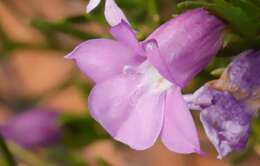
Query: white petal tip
x=113, y=13
x=220, y=157
x=88, y=10
x=92, y=5
x=69, y=56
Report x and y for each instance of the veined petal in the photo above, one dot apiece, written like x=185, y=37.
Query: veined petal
x=92, y=5
x=128, y=110
x=243, y=72
x=113, y=13
x=101, y=59
x=179, y=133
x=124, y=33
x=188, y=42
x=225, y=119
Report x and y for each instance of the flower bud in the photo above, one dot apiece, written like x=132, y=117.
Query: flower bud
x=36, y=127
x=188, y=42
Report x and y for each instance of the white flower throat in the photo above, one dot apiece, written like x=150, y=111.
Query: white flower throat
x=151, y=78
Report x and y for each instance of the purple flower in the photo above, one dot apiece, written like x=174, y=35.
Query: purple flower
x=137, y=97
x=227, y=105
x=243, y=72
x=37, y=127
x=226, y=120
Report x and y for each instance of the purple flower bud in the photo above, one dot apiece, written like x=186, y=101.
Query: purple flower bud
x=188, y=42
x=228, y=105
x=36, y=127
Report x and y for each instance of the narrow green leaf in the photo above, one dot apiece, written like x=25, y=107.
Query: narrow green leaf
x=250, y=8
x=182, y=6
x=237, y=18
x=237, y=47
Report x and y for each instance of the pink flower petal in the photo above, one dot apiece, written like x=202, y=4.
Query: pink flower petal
x=153, y=55
x=128, y=111
x=101, y=59
x=179, y=133
x=92, y=5
x=113, y=13
x=125, y=34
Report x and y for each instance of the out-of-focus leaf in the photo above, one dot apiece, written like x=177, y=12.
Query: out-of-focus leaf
x=6, y=153
x=65, y=157
x=182, y=6
x=241, y=156
x=250, y=8
x=237, y=47
x=255, y=2
x=102, y=162
x=61, y=27
x=218, y=71
x=84, y=87
x=237, y=18
x=80, y=130
x=28, y=157
x=255, y=130
x=76, y=19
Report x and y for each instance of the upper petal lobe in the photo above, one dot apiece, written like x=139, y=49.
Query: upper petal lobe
x=124, y=33
x=113, y=13
x=101, y=59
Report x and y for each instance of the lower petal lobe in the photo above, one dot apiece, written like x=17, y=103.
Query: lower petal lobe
x=128, y=111
x=179, y=133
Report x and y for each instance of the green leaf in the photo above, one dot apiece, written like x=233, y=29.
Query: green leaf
x=235, y=16
x=182, y=6
x=255, y=2
x=241, y=156
x=252, y=10
x=80, y=130
x=102, y=162
x=234, y=48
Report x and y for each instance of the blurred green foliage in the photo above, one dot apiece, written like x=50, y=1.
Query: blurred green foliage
x=80, y=130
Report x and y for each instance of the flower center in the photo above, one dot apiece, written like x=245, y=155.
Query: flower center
x=152, y=79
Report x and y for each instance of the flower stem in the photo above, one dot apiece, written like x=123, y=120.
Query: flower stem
x=6, y=153
x=27, y=157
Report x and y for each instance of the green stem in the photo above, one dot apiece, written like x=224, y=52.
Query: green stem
x=27, y=157
x=6, y=153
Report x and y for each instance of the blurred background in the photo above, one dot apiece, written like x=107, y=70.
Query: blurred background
x=43, y=108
